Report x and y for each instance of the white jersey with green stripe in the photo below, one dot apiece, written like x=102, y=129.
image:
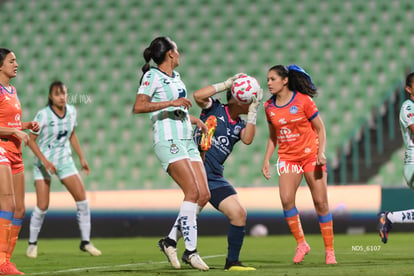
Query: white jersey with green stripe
x=54, y=134
x=407, y=119
x=171, y=122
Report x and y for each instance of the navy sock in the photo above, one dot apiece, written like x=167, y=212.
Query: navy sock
x=235, y=237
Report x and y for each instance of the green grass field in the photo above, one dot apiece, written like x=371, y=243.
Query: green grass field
x=356, y=255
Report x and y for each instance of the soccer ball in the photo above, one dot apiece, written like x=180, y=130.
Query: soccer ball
x=244, y=88
x=258, y=230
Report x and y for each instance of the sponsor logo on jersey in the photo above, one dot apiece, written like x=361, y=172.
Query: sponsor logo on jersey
x=221, y=118
x=174, y=149
x=282, y=121
x=237, y=130
x=410, y=115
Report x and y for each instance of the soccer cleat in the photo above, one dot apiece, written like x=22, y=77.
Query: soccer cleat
x=31, y=251
x=168, y=246
x=330, y=257
x=90, y=248
x=211, y=124
x=384, y=226
x=301, y=250
x=237, y=266
x=192, y=258
x=8, y=268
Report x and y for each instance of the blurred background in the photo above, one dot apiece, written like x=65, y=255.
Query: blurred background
x=357, y=52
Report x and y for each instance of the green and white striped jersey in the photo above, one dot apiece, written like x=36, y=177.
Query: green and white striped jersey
x=53, y=136
x=407, y=119
x=171, y=122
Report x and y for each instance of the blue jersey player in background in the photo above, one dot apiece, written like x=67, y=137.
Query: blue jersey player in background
x=229, y=130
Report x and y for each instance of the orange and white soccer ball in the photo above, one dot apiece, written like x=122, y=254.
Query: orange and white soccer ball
x=244, y=88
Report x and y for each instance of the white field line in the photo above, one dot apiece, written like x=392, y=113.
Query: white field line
x=80, y=269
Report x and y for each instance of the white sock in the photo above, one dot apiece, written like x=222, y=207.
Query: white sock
x=406, y=216
x=188, y=224
x=36, y=222
x=175, y=233
x=84, y=219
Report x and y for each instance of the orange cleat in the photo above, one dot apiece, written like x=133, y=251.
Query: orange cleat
x=211, y=124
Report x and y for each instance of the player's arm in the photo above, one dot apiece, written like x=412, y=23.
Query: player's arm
x=200, y=124
x=8, y=131
x=248, y=133
x=317, y=123
x=74, y=142
x=36, y=150
x=144, y=105
x=270, y=149
x=202, y=96
x=33, y=125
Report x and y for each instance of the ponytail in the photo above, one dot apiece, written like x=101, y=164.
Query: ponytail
x=300, y=81
x=157, y=52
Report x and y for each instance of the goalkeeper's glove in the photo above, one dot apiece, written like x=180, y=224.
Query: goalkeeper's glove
x=225, y=85
x=254, y=106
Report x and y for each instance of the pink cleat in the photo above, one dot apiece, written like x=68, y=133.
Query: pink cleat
x=301, y=250
x=8, y=268
x=330, y=257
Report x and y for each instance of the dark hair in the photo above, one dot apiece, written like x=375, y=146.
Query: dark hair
x=56, y=83
x=409, y=79
x=156, y=51
x=298, y=79
x=3, y=53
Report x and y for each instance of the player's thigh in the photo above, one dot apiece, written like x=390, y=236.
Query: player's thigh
x=42, y=187
x=201, y=176
x=317, y=182
x=183, y=174
x=6, y=189
x=74, y=185
x=232, y=208
x=19, y=191
x=288, y=185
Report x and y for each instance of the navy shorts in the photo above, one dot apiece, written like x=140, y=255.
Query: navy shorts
x=219, y=194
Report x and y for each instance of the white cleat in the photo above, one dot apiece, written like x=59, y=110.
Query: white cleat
x=170, y=252
x=194, y=260
x=31, y=251
x=91, y=249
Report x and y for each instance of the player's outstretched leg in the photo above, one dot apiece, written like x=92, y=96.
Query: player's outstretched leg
x=192, y=258
x=211, y=123
x=169, y=248
x=384, y=226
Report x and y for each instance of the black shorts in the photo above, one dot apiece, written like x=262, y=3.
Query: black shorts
x=219, y=194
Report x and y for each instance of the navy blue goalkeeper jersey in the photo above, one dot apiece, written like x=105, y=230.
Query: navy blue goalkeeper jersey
x=227, y=134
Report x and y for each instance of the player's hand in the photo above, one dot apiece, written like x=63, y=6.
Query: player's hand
x=229, y=82
x=23, y=136
x=49, y=167
x=34, y=126
x=182, y=102
x=202, y=127
x=85, y=166
x=254, y=106
x=321, y=159
x=265, y=170
x=225, y=85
